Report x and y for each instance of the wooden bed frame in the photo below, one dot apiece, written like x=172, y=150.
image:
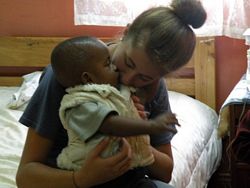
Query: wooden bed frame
x=22, y=55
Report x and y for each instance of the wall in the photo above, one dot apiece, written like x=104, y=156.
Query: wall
x=55, y=18
x=45, y=18
x=231, y=64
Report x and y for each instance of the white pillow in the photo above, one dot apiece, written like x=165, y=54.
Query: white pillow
x=25, y=92
x=196, y=149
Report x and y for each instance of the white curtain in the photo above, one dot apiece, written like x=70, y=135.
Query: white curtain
x=225, y=17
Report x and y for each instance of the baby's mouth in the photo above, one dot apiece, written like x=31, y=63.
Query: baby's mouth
x=119, y=78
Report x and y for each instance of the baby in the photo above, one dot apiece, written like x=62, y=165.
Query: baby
x=96, y=106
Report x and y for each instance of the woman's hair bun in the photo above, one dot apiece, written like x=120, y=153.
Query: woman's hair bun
x=190, y=12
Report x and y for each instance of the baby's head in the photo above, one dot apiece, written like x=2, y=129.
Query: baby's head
x=82, y=60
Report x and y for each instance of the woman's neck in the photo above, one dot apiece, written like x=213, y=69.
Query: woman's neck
x=147, y=93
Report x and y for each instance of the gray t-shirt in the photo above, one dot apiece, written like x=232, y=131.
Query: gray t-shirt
x=42, y=113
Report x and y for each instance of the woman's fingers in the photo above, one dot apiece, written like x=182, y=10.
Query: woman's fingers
x=124, y=154
x=140, y=108
x=137, y=103
x=101, y=170
x=100, y=147
x=120, y=162
x=143, y=114
x=135, y=98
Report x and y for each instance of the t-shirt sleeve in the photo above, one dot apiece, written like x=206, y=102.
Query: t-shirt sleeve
x=42, y=114
x=160, y=104
x=86, y=119
x=42, y=110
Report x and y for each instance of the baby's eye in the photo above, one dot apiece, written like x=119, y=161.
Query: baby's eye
x=108, y=62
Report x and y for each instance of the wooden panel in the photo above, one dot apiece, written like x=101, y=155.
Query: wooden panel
x=203, y=65
x=182, y=85
x=10, y=81
x=17, y=71
x=22, y=55
x=27, y=51
x=204, y=61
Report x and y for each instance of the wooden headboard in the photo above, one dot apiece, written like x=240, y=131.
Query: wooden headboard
x=22, y=55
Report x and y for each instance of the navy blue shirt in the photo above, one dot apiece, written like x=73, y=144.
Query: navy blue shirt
x=42, y=113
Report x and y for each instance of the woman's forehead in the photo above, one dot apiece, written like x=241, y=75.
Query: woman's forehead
x=143, y=63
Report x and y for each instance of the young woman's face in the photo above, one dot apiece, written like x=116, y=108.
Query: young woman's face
x=135, y=67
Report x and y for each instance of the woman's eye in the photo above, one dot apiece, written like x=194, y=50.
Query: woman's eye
x=145, y=79
x=128, y=62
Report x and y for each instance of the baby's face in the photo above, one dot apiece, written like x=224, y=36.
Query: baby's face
x=103, y=71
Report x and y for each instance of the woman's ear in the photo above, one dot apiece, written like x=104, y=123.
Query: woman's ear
x=86, y=78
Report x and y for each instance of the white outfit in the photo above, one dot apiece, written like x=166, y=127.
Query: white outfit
x=83, y=135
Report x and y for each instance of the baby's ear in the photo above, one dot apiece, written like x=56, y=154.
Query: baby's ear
x=86, y=78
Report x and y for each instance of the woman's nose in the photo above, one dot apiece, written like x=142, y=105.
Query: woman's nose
x=128, y=78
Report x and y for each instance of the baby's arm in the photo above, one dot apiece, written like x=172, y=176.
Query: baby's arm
x=88, y=118
x=123, y=126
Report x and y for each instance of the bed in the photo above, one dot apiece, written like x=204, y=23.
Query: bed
x=196, y=147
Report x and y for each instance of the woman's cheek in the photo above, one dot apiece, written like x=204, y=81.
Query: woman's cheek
x=120, y=66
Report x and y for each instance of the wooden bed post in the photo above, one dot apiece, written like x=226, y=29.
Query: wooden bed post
x=205, y=71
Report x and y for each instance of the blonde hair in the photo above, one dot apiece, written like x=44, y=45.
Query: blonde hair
x=165, y=33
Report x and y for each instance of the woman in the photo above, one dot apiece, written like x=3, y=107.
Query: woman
x=159, y=41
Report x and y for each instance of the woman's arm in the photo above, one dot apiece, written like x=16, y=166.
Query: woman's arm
x=32, y=171
x=163, y=165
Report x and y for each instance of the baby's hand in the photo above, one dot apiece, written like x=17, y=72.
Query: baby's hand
x=161, y=123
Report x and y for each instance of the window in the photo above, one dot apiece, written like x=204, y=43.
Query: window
x=225, y=17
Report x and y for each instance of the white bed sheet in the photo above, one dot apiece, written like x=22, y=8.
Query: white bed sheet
x=196, y=149
x=12, y=136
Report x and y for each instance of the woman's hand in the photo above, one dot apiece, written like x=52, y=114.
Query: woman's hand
x=140, y=108
x=100, y=170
